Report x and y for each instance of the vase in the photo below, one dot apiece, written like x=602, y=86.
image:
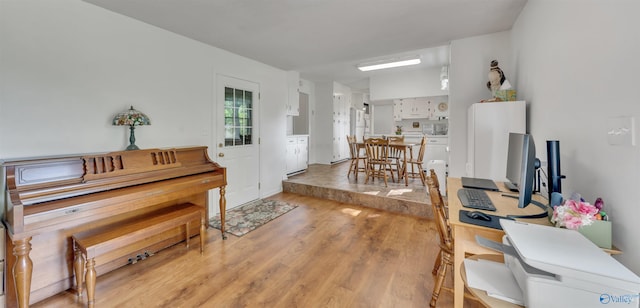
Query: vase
x=599, y=232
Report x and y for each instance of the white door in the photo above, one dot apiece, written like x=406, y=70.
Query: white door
x=237, y=142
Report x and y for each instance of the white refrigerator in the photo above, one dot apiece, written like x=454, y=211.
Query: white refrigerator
x=488, y=128
x=357, y=123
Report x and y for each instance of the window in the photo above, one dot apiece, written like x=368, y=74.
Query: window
x=238, y=117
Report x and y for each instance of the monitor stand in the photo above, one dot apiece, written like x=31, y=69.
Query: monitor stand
x=543, y=214
x=510, y=186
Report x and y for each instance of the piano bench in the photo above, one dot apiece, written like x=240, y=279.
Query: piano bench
x=110, y=242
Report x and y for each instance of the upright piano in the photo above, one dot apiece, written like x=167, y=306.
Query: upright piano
x=49, y=199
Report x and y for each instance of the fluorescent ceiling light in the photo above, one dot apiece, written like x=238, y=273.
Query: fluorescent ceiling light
x=389, y=64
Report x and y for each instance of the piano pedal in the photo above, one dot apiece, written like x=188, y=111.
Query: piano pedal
x=140, y=257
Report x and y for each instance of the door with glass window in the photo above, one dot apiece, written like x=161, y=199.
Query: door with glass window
x=238, y=145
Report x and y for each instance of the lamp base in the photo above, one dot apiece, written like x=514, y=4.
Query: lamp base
x=132, y=140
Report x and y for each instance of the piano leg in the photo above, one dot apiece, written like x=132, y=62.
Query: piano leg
x=22, y=270
x=223, y=210
x=186, y=237
x=203, y=232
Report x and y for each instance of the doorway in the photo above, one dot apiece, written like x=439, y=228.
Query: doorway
x=237, y=144
x=301, y=122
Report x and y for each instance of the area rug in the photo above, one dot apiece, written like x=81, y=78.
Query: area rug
x=248, y=217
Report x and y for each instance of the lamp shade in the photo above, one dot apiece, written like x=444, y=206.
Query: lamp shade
x=131, y=117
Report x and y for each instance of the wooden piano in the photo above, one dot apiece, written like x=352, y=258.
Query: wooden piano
x=48, y=199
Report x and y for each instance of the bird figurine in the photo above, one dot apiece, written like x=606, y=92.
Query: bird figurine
x=496, y=78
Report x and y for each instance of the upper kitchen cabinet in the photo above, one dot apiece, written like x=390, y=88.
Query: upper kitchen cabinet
x=293, y=103
x=420, y=108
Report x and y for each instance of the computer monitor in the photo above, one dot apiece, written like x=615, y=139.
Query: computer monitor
x=521, y=161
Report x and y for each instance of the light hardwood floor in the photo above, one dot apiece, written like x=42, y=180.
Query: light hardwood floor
x=321, y=254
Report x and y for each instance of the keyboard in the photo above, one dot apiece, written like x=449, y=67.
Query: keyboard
x=475, y=199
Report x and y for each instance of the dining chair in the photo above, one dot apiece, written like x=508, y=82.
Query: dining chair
x=444, y=261
x=396, y=154
x=378, y=162
x=416, y=163
x=356, y=158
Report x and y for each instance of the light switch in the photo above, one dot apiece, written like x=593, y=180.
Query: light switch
x=620, y=131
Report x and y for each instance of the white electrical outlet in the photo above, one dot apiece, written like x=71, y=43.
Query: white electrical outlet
x=621, y=131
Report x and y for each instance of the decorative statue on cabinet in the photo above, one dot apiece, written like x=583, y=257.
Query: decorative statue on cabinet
x=498, y=85
x=496, y=78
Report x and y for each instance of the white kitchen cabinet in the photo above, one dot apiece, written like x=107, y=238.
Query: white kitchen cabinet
x=297, y=156
x=341, y=123
x=411, y=108
x=293, y=101
x=340, y=144
x=419, y=108
x=436, y=149
x=397, y=110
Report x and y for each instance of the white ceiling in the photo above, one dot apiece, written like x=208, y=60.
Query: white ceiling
x=325, y=39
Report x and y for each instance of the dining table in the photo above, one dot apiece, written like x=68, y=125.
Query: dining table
x=402, y=146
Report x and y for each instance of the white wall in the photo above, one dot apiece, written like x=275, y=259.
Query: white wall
x=470, y=59
x=321, y=134
x=67, y=67
x=382, y=115
x=576, y=73
x=322, y=120
x=405, y=84
x=308, y=87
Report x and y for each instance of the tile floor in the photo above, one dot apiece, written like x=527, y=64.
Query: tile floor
x=331, y=182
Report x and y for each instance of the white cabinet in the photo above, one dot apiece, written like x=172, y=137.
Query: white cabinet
x=293, y=101
x=341, y=124
x=420, y=108
x=488, y=128
x=412, y=108
x=297, y=153
x=436, y=149
x=397, y=110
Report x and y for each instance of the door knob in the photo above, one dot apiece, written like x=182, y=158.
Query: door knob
x=220, y=145
x=220, y=154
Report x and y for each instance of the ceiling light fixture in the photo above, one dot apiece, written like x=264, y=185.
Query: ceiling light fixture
x=444, y=78
x=389, y=64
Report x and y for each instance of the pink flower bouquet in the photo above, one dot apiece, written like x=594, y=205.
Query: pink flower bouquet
x=574, y=214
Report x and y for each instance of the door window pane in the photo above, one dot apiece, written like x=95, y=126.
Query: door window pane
x=238, y=117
